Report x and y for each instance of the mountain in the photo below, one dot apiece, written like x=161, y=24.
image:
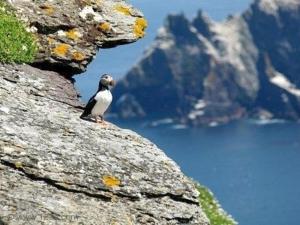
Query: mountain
x=202, y=72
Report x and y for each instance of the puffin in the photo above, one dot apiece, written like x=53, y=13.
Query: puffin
x=99, y=102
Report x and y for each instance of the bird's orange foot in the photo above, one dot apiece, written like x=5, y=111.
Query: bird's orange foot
x=98, y=120
x=103, y=124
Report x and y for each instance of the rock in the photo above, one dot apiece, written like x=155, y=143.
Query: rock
x=201, y=72
x=58, y=169
x=70, y=32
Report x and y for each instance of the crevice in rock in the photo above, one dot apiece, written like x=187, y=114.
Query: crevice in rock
x=57, y=185
x=11, y=79
x=81, y=107
x=113, y=43
x=177, y=198
x=182, y=220
x=53, y=183
x=63, y=69
x=42, y=29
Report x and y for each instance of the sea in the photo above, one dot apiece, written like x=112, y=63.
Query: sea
x=252, y=167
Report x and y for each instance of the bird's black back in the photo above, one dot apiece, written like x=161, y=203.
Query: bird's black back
x=89, y=106
x=92, y=102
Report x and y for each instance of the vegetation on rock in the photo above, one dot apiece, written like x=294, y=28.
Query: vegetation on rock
x=16, y=44
x=212, y=208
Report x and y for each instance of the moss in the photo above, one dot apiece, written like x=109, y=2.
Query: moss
x=140, y=27
x=61, y=50
x=16, y=44
x=212, y=208
x=123, y=9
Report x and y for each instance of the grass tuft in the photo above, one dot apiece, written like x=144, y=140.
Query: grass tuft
x=212, y=208
x=16, y=44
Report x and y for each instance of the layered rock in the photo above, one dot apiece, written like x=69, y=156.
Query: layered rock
x=58, y=169
x=203, y=72
x=70, y=32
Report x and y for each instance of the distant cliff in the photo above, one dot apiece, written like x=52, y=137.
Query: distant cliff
x=203, y=72
x=56, y=168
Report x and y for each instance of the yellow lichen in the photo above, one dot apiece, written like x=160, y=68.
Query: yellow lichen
x=78, y=56
x=18, y=165
x=50, y=40
x=111, y=181
x=61, y=50
x=73, y=34
x=140, y=27
x=49, y=9
x=123, y=9
x=105, y=27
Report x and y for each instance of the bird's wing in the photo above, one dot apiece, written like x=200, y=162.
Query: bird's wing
x=89, y=107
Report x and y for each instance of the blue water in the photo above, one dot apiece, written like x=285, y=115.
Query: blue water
x=253, y=170
x=118, y=61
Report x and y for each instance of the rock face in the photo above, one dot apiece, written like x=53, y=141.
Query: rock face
x=70, y=32
x=58, y=169
x=203, y=72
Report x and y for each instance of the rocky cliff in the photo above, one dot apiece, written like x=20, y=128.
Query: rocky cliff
x=58, y=169
x=205, y=72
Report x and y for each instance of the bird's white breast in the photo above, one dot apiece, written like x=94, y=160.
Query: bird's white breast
x=103, y=100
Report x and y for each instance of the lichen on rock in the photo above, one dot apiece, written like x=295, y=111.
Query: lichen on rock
x=105, y=27
x=61, y=50
x=83, y=26
x=139, y=27
x=123, y=9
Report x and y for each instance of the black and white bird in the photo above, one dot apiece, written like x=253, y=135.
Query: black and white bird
x=99, y=102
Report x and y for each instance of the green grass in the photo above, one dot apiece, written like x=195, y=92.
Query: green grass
x=212, y=208
x=16, y=44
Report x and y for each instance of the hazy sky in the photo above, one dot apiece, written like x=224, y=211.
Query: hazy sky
x=118, y=61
